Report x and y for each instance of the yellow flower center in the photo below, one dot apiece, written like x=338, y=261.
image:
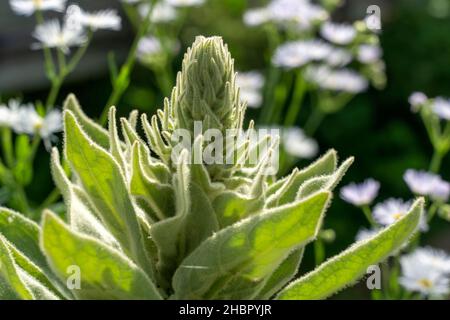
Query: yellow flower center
x=37, y=3
x=397, y=216
x=425, y=283
x=38, y=125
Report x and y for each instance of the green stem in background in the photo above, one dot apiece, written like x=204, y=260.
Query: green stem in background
x=273, y=75
x=53, y=95
x=368, y=213
x=121, y=83
x=432, y=211
x=7, y=147
x=297, y=99
x=319, y=251
x=436, y=161
x=51, y=199
x=64, y=70
x=314, y=121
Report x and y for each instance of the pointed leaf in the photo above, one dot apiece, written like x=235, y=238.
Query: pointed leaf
x=105, y=273
x=94, y=130
x=234, y=262
x=350, y=265
x=105, y=185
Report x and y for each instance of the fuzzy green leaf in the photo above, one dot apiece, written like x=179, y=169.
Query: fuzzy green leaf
x=349, y=266
x=234, y=262
x=282, y=275
x=285, y=190
x=23, y=234
x=105, y=185
x=95, y=131
x=105, y=273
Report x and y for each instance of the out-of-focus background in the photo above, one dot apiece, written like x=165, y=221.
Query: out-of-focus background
x=377, y=127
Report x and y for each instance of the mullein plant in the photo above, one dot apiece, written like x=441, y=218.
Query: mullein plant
x=142, y=224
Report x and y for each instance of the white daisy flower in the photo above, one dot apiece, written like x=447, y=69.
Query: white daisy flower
x=369, y=53
x=298, y=53
x=345, y=80
x=251, y=84
x=364, y=234
x=5, y=116
x=52, y=35
x=301, y=12
x=149, y=46
x=104, y=19
x=256, y=17
x=420, y=273
x=434, y=258
x=28, y=7
x=339, y=57
x=163, y=12
x=392, y=210
x=361, y=194
x=30, y=122
x=12, y=111
x=297, y=144
x=341, y=34
x=185, y=3
x=417, y=100
x=441, y=107
x=427, y=184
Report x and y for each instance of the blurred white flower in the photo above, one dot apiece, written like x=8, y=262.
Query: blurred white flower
x=5, y=116
x=369, y=53
x=339, y=57
x=344, y=80
x=441, y=107
x=24, y=119
x=28, y=7
x=434, y=258
x=297, y=144
x=185, y=3
x=149, y=46
x=427, y=184
x=361, y=194
x=422, y=271
x=298, y=53
x=257, y=16
x=338, y=33
x=301, y=12
x=392, y=210
x=162, y=12
x=30, y=122
x=104, y=19
x=251, y=84
x=417, y=100
x=52, y=35
x=364, y=234
x=12, y=112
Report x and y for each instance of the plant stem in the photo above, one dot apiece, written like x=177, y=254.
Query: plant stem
x=436, y=161
x=319, y=251
x=368, y=213
x=296, y=103
x=51, y=198
x=121, y=83
x=7, y=147
x=314, y=121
